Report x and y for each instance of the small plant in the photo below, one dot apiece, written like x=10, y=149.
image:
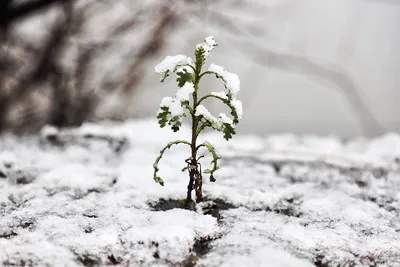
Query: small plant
x=187, y=101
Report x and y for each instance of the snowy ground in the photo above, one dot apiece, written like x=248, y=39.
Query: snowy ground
x=86, y=198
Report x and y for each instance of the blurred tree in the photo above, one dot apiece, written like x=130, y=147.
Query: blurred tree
x=55, y=80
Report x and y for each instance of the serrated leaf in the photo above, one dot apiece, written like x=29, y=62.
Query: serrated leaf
x=183, y=77
x=163, y=117
x=228, y=130
x=175, y=123
x=200, y=57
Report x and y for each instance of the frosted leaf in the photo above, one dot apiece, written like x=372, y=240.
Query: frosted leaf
x=210, y=40
x=184, y=68
x=183, y=94
x=208, y=45
x=232, y=82
x=176, y=108
x=166, y=101
x=237, y=104
x=216, y=68
x=172, y=110
x=224, y=119
x=203, y=111
x=171, y=63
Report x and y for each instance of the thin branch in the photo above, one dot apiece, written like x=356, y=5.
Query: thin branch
x=28, y=8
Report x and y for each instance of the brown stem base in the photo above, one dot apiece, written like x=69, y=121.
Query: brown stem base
x=190, y=186
x=196, y=183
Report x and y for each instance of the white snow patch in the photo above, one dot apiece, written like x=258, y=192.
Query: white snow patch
x=208, y=45
x=302, y=199
x=170, y=63
x=237, y=104
x=266, y=256
x=203, y=111
x=183, y=93
x=224, y=119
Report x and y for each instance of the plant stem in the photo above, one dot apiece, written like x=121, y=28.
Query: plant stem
x=195, y=180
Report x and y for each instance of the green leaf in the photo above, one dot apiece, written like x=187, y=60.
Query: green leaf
x=156, y=178
x=163, y=117
x=214, y=162
x=183, y=77
x=175, y=123
x=159, y=180
x=228, y=130
x=212, y=178
x=200, y=57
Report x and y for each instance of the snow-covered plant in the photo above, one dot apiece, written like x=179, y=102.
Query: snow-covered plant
x=188, y=102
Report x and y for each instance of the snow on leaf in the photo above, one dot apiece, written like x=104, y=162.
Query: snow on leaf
x=185, y=74
x=203, y=50
x=172, y=110
x=203, y=111
x=232, y=82
x=237, y=104
x=183, y=94
x=171, y=64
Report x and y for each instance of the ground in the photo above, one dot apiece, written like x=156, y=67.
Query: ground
x=86, y=197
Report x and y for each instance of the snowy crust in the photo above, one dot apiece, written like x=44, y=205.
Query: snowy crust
x=85, y=203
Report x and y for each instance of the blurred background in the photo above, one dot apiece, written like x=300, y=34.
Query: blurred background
x=306, y=66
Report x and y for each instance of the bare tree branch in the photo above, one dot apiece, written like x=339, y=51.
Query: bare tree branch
x=15, y=12
x=154, y=44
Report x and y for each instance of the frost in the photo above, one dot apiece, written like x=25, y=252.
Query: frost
x=232, y=82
